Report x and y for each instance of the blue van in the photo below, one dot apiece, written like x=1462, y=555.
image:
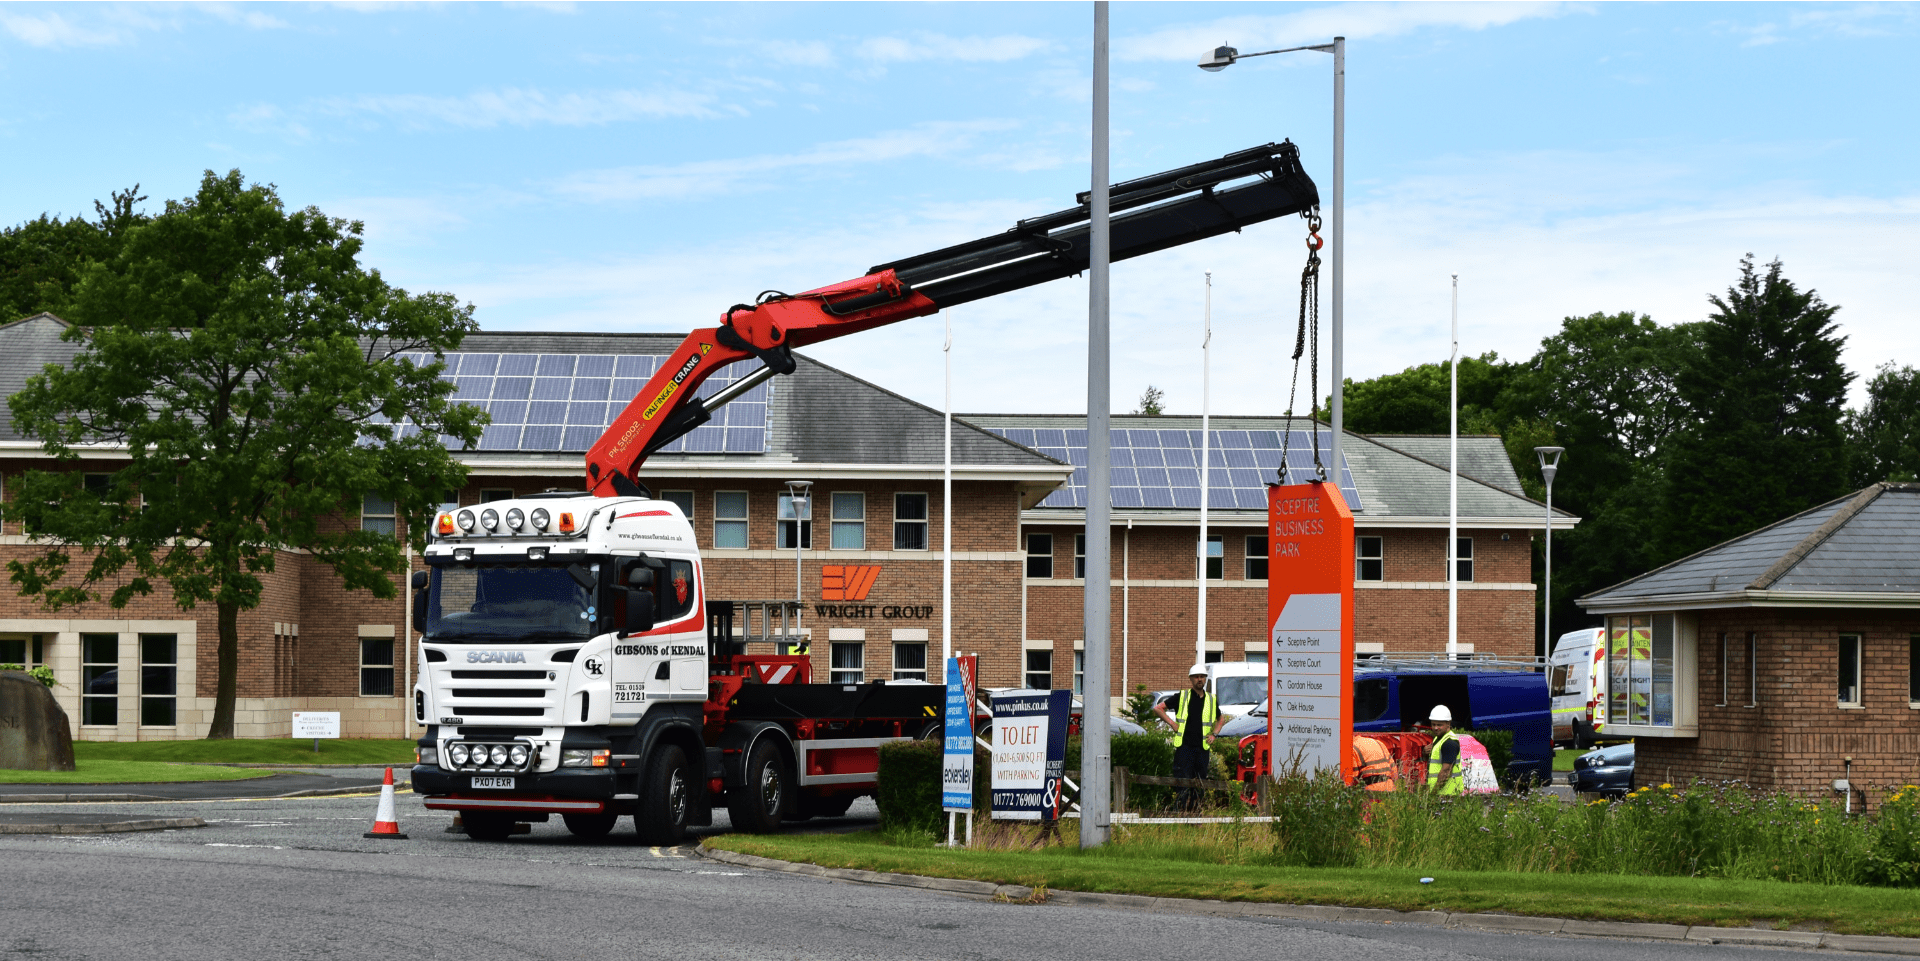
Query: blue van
x=1395, y=693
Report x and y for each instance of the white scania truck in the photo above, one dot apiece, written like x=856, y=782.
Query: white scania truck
x=572, y=662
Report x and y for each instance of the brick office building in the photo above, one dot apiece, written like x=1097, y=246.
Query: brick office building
x=870, y=573
x=1779, y=656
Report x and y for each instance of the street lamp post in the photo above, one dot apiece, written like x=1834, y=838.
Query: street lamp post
x=1225, y=56
x=797, y=500
x=1549, y=466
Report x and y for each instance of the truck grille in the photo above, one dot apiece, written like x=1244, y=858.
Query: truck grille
x=498, y=692
x=517, y=694
x=499, y=675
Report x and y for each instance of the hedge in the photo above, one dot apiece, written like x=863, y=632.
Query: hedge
x=908, y=789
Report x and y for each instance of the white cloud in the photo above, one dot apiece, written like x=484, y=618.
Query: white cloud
x=54, y=30
x=1357, y=21
x=709, y=177
x=1534, y=237
x=247, y=17
x=935, y=46
x=513, y=106
x=797, y=53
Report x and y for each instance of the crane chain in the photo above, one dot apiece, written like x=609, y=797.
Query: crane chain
x=1307, y=341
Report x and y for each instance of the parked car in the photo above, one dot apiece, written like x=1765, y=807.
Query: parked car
x=1607, y=770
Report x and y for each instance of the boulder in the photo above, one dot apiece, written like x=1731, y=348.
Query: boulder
x=34, y=732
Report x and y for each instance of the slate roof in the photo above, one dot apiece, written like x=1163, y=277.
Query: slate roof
x=1864, y=547
x=27, y=346
x=1482, y=456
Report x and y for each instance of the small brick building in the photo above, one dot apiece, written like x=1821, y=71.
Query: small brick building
x=1778, y=656
x=870, y=546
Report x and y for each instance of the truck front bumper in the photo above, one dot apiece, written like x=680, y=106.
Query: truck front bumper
x=566, y=790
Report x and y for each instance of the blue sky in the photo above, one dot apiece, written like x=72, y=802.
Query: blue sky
x=640, y=167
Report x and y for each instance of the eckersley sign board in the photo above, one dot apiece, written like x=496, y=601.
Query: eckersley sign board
x=1310, y=626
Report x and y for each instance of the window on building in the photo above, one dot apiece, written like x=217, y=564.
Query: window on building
x=909, y=522
x=1753, y=669
x=849, y=521
x=100, y=679
x=159, y=676
x=1369, y=559
x=909, y=662
x=787, y=520
x=1216, y=557
x=1079, y=556
x=376, y=514
x=1040, y=670
x=13, y=650
x=730, y=519
x=376, y=667
x=1213, y=657
x=1463, y=559
x=1039, y=555
x=1079, y=672
x=682, y=500
x=849, y=662
x=1257, y=557
x=490, y=494
x=1640, y=666
x=1849, y=670
x=1723, y=670
x=1256, y=657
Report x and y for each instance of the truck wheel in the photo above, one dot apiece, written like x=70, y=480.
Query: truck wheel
x=486, y=825
x=666, y=798
x=760, y=803
x=591, y=827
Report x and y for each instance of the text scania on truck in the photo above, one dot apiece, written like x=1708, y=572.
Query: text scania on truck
x=571, y=661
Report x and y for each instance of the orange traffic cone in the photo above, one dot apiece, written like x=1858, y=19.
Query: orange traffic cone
x=385, y=825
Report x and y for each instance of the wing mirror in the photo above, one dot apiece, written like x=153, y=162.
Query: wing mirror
x=640, y=613
x=419, y=583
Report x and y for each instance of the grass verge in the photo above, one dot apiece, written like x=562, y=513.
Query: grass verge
x=130, y=772
x=1157, y=870
x=281, y=750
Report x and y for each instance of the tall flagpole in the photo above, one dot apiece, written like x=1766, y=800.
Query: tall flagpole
x=1097, y=606
x=1206, y=437
x=1453, y=485
x=946, y=512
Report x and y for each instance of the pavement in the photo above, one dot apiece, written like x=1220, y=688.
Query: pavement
x=347, y=781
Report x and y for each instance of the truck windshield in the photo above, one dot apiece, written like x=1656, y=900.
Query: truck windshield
x=501, y=601
x=1240, y=690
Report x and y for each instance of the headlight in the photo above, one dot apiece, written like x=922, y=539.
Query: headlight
x=499, y=756
x=490, y=519
x=577, y=757
x=515, y=519
x=465, y=518
x=540, y=518
x=429, y=756
x=457, y=753
x=518, y=754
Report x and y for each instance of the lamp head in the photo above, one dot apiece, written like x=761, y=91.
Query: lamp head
x=1549, y=460
x=1220, y=59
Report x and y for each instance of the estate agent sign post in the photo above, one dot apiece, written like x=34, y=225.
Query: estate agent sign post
x=1310, y=620
x=956, y=765
x=1029, y=753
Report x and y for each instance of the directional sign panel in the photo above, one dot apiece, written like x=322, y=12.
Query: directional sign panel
x=1310, y=616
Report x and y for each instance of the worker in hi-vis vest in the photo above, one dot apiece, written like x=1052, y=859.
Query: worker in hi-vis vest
x=1196, y=717
x=1372, y=765
x=1443, y=762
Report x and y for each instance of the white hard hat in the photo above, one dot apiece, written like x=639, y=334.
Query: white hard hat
x=1441, y=713
x=1197, y=669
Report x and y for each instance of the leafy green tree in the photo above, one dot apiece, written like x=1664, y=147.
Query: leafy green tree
x=1151, y=402
x=257, y=376
x=1764, y=438
x=1884, y=435
x=41, y=260
x=1415, y=401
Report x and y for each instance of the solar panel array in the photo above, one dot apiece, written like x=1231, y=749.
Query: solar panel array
x=1161, y=468
x=563, y=402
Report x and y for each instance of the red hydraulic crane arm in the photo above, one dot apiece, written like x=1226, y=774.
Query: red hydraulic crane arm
x=1149, y=214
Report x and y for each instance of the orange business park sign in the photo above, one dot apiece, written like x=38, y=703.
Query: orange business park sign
x=1310, y=627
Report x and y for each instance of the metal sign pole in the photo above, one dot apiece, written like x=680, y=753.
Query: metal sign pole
x=1097, y=606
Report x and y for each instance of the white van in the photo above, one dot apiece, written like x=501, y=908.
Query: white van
x=1578, y=686
x=1240, y=686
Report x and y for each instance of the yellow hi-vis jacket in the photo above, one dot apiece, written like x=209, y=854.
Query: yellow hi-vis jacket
x=1209, y=716
x=1456, y=782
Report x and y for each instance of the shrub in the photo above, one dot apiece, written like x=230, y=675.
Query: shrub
x=1317, y=820
x=908, y=786
x=43, y=673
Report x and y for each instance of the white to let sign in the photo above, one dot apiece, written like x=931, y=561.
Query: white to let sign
x=316, y=724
